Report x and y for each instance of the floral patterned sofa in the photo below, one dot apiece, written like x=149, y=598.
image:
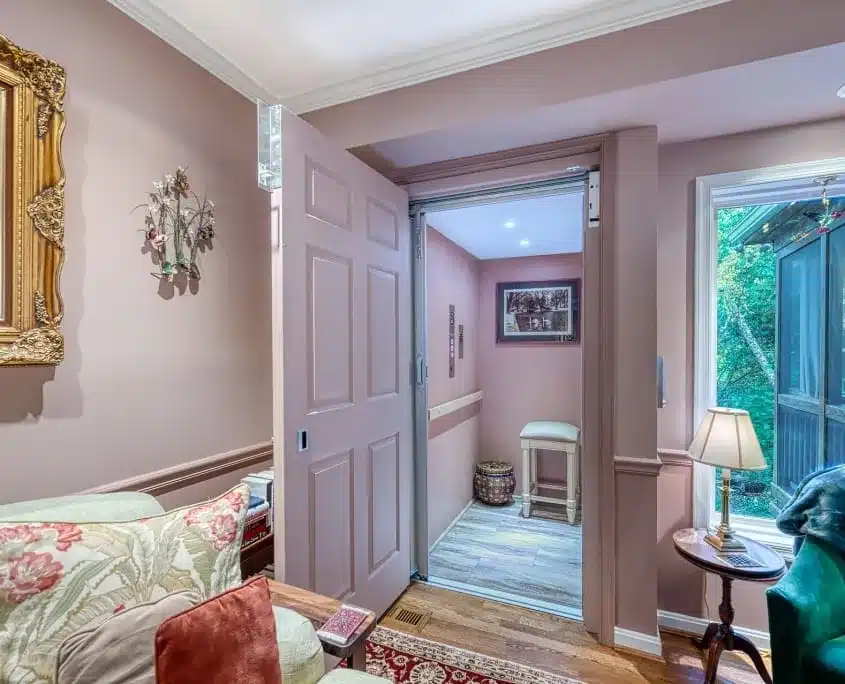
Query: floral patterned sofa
x=300, y=651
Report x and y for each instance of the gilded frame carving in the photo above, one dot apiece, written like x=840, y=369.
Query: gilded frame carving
x=33, y=208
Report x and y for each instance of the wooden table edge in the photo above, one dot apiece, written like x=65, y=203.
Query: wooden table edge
x=729, y=571
x=317, y=609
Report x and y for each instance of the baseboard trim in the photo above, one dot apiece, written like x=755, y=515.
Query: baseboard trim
x=637, y=641
x=451, y=525
x=695, y=626
x=183, y=475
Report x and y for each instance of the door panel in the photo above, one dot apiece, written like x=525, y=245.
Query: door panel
x=384, y=502
x=329, y=324
x=345, y=305
x=382, y=316
x=331, y=496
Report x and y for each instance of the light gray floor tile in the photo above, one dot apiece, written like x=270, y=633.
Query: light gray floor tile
x=494, y=547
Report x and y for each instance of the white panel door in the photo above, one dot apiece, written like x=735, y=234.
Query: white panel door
x=344, y=355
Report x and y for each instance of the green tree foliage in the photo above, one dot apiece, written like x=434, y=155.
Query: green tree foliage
x=746, y=291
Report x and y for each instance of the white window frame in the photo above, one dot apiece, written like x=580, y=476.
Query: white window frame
x=713, y=193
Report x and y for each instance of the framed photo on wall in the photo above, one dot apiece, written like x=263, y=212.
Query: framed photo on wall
x=540, y=311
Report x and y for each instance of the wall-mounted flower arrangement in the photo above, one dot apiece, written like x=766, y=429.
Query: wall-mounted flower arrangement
x=177, y=225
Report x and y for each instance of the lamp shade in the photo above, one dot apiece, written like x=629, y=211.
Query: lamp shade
x=726, y=439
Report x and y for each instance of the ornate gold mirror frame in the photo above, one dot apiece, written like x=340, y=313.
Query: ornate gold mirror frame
x=32, y=207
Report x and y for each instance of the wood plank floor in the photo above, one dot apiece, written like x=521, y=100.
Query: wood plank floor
x=555, y=644
x=494, y=547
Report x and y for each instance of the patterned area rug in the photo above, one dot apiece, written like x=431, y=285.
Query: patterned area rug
x=401, y=658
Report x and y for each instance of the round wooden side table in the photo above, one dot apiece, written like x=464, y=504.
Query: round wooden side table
x=720, y=637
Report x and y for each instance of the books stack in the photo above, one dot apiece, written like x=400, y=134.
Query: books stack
x=259, y=518
x=257, y=521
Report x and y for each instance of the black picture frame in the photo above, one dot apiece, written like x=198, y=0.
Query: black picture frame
x=540, y=313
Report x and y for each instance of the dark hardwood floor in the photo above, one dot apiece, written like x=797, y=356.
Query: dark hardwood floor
x=555, y=644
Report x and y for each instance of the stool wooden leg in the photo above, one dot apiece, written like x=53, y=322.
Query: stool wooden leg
x=571, y=486
x=526, y=482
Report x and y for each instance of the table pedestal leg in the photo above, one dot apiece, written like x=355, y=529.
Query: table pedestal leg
x=721, y=637
x=358, y=657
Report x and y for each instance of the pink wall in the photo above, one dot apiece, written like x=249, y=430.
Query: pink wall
x=453, y=447
x=153, y=376
x=525, y=381
x=453, y=278
x=613, y=62
x=679, y=166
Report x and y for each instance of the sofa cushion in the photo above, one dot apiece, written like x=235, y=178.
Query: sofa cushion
x=229, y=639
x=111, y=507
x=121, y=649
x=827, y=665
x=300, y=651
x=58, y=577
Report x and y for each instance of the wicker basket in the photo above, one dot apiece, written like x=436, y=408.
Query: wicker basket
x=494, y=483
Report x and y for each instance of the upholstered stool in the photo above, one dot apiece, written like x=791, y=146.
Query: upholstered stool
x=552, y=436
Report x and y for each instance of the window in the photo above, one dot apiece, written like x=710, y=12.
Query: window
x=770, y=329
x=746, y=277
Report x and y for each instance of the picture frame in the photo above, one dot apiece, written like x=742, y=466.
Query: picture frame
x=32, y=207
x=538, y=311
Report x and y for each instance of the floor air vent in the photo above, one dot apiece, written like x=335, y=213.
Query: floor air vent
x=405, y=617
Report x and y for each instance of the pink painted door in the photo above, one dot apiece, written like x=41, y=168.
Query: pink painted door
x=345, y=363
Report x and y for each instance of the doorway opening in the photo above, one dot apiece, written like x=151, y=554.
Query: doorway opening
x=498, y=289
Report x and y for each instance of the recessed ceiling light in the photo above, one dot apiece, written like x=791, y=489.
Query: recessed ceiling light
x=841, y=92
x=573, y=168
x=525, y=243
x=510, y=224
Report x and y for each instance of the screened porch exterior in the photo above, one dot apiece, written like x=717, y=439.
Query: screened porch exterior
x=809, y=375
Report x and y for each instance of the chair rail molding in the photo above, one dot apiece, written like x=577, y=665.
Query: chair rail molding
x=448, y=407
x=632, y=465
x=675, y=457
x=186, y=474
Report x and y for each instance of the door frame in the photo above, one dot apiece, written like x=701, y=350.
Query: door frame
x=495, y=171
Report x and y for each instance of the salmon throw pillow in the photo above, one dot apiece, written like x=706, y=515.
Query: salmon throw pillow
x=229, y=638
x=56, y=578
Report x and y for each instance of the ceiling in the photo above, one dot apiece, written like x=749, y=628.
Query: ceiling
x=773, y=92
x=528, y=227
x=310, y=54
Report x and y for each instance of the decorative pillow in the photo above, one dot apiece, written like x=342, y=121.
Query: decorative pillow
x=230, y=638
x=56, y=578
x=121, y=649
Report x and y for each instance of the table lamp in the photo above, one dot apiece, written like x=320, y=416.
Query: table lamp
x=726, y=440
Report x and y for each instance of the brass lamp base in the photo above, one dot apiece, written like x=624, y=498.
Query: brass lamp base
x=724, y=542
x=722, y=538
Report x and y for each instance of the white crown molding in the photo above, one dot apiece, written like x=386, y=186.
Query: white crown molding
x=463, y=55
x=637, y=641
x=152, y=18
x=517, y=41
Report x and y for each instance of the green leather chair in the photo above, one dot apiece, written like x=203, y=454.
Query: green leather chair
x=807, y=618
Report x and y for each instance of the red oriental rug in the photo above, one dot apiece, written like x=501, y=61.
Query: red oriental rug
x=401, y=658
